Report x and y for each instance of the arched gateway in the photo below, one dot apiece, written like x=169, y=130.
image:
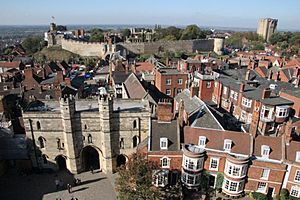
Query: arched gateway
x=90, y=158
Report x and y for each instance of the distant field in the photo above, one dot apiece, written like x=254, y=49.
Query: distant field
x=54, y=53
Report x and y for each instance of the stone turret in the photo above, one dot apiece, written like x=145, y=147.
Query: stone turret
x=219, y=45
x=67, y=107
x=105, y=112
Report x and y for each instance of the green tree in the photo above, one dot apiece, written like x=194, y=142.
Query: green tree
x=96, y=37
x=126, y=33
x=33, y=44
x=191, y=32
x=135, y=179
x=219, y=181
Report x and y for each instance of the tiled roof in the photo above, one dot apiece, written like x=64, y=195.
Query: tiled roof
x=134, y=88
x=275, y=144
x=291, y=150
x=241, y=142
x=168, y=130
x=14, y=64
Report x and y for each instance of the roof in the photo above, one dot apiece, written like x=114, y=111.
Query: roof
x=167, y=130
x=134, y=88
x=275, y=144
x=13, y=64
x=144, y=66
x=170, y=71
x=292, y=149
x=199, y=114
x=120, y=76
x=241, y=142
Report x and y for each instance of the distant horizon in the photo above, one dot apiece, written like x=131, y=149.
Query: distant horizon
x=234, y=28
x=213, y=13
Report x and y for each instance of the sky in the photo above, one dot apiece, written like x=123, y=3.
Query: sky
x=229, y=13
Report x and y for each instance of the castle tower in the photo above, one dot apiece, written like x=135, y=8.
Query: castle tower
x=71, y=143
x=105, y=112
x=219, y=45
x=266, y=27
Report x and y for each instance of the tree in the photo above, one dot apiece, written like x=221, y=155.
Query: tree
x=219, y=181
x=126, y=33
x=96, y=35
x=135, y=179
x=191, y=32
x=33, y=44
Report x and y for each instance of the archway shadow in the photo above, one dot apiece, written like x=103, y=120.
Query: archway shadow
x=80, y=189
x=92, y=181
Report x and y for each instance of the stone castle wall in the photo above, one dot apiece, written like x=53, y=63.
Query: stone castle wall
x=180, y=45
x=81, y=48
x=101, y=49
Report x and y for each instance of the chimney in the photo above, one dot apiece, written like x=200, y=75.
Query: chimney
x=28, y=73
x=286, y=130
x=266, y=93
x=164, y=111
x=167, y=61
x=194, y=91
x=247, y=75
x=270, y=75
x=242, y=87
x=296, y=72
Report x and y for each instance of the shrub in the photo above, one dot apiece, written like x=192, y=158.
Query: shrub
x=284, y=194
x=259, y=196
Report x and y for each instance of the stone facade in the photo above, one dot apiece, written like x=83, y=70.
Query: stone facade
x=96, y=49
x=266, y=27
x=111, y=127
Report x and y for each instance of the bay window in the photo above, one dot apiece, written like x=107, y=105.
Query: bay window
x=233, y=186
x=282, y=111
x=246, y=102
x=235, y=170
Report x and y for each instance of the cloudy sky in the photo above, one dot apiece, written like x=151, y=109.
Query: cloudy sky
x=230, y=13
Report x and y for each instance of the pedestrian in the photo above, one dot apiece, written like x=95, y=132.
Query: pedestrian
x=92, y=170
x=75, y=181
x=69, y=186
x=57, y=184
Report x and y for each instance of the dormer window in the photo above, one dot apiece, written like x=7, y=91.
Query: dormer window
x=227, y=145
x=164, y=143
x=265, y=151
x=246, y=102
x=297, y=156
x=282, y=111
x=202, y=141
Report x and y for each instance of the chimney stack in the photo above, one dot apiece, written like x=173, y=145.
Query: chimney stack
x=266, y=93
x=247, y=75
x=242, y=87
x=296, y=72
x=270, y=75
x=297, y=81
x=194, y=91
x=164, y=111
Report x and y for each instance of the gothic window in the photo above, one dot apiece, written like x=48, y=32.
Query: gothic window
x=122, y=143
x=38, y=125
x=58, y=143
x=90, y=139
x=135, y=141
x=85, y=127
x=134, y=124
x=41, y=142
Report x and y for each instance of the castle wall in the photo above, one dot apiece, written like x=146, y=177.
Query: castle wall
x=96, y=49
x=180, y=45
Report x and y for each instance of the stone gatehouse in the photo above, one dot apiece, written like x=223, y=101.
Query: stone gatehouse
x=80, y=134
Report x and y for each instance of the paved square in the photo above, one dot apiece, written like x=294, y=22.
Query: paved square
x=42, y=187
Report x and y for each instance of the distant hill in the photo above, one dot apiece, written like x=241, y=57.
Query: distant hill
x=54, y=53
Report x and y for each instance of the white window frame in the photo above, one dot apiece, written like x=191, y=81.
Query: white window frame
x=295, y=189
x=235, y=96
x=265, y=174
x=243, y=115
x=163, y=143
x=5, y=87
x=231, y=93
x=235, y=170
x=202, y=141
x=249, y=118
x=227, y=145
x=168, y=92
x=297, y=156
x=282, y=111
x=165, y=162
x=297, y=176
x=208, y=84
x=194, y=164
x=261, y=189
x=216, y=160
x=225, y=90
x=232, y=186
x=168, y=81
x=265, y=151
x=246, y=102
x=180, y=81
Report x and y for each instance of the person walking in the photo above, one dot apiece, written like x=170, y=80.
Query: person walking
x=69, y=186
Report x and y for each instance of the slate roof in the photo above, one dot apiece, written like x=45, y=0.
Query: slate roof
x=199, y=114
x=134, y=88
x=120, y=76
x=168, y=130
